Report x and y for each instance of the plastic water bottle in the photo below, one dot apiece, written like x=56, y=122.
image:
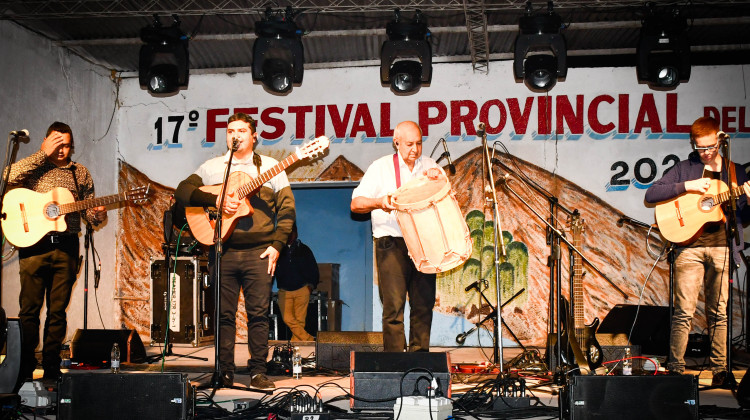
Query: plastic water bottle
x=65, y=362
x=627, y=363
x=296, y=364
x=115, y=362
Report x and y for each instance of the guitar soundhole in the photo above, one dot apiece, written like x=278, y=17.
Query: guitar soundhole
x=52, y=211
x=707, y=203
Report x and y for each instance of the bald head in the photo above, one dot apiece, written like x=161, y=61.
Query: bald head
x=407, y=137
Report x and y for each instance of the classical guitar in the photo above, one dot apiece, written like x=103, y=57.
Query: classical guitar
x=682, y=218
x=28, y=215
x=202, y=221
x=580, y=339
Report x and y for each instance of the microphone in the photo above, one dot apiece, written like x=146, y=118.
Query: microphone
x=480, y=130
x=620, y=221
x=447, y=154
x=461, y=338
x=235, y=144
x=722, y=135
x=20, y=133
x=471, y=286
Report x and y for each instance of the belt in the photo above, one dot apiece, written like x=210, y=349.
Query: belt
x=57, y=237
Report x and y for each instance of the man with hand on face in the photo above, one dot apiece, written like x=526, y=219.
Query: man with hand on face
x=250, y=252
x=703, y=263
x=397, y=274
x=48, y=268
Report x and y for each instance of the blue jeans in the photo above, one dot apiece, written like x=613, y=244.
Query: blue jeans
x=696, y=268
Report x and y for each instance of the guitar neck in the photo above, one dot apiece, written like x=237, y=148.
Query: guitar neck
x=92, y=202
x=726, y=195
x=577, y=230
x=266, y=176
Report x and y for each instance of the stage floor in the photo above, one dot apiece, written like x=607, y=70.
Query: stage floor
x=714, y=403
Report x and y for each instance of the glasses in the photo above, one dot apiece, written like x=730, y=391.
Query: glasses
x=704, y=149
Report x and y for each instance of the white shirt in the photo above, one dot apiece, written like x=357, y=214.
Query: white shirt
x=379, y=180
x=212, y=170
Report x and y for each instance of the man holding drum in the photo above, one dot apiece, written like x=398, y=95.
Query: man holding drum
x=397, y=275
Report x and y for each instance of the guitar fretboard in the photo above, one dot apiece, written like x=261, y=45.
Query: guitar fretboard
x=253, y=185
x=92, y=202
x=577, y=230
x=726, y=195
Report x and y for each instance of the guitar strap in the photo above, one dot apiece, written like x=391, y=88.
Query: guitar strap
x=732, y=175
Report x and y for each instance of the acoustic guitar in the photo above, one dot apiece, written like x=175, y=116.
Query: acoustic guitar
x=28, y=215
x=681, y=219
x=202, y=220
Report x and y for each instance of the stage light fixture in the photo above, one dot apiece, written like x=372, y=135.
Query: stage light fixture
x=406, y=58
x=663, y=49
x=540, y=54
x=163, y=65
x=278, y=54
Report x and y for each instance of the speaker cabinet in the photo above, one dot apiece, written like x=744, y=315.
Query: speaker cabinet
x=10, y=368
x=661, y=397
x=651, y=329
x=125, y=396
x=380, y=378
x=94, y=347
x=333, y=348
x=189, y=315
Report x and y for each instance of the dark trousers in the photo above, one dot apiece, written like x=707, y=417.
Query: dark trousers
x=398, y=277
x=244, y=270
x=47, y=273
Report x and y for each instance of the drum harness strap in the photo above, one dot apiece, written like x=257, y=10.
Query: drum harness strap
x=398, y=171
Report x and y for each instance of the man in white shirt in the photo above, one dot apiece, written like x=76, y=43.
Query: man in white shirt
x=397, y=274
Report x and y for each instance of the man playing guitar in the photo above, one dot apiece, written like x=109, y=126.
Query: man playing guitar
x=704, y=260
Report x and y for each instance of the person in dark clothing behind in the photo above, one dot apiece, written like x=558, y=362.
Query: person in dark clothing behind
x=703, y=263
x=49, y=267
x=252, y=249
x=296, y=276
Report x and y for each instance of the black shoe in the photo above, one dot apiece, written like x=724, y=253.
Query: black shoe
x=227, y=379
x=719, y=379
x=261, y=381
x=52, y=374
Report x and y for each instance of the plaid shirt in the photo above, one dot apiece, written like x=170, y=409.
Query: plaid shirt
x=39, y=174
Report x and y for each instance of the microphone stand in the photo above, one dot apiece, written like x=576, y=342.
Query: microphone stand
x=554, y=259
x=498, y=243
x=461, y=338
x=11, y=151
x=87, y=239
x=216, y=379
x=733, y=237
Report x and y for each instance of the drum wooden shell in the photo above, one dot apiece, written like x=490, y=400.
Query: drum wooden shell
x=433, y=226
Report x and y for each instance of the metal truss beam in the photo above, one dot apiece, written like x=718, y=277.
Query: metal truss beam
x=476, y=25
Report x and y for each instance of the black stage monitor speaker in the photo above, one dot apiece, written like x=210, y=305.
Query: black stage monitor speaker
x=333, y=348
x=379, y=377
x=651, y=330
x=662, y=397
x=743, y=391
x=94, y=347
x=10, y=368
x=126, y=396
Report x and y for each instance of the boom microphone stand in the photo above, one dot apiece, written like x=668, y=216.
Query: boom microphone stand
x=733, y=239
x=216, y=380
x=10, y=156
x=555, y=254
x=488, y=176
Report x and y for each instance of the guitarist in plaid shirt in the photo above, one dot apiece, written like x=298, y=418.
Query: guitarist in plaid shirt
x=704, y=262
x=48, y=268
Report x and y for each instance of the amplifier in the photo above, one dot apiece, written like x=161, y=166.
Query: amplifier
x=190, y=312
x=380, y=377
x=333, y=348
x=162, y=396
x=634, y=397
